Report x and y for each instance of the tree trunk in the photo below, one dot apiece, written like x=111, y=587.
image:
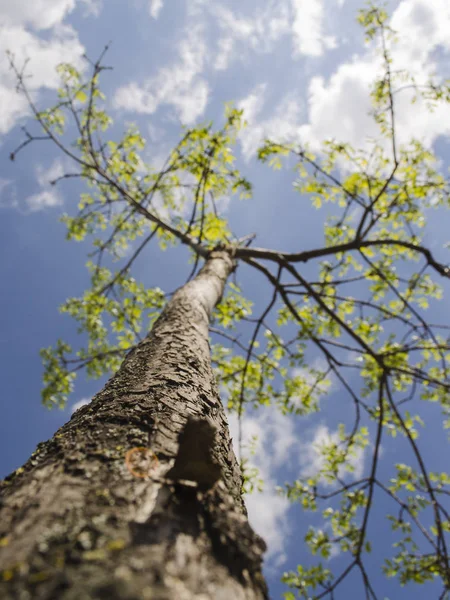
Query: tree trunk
x=93, y=513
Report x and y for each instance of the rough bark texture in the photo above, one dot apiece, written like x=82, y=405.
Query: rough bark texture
x=77, y=524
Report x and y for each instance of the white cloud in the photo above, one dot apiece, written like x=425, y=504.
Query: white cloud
x=267, y=512
x=191, y=104
x=308, y=29
x=46, y=176
x=155, y=7
x=422, y=27
x=267, y=509
x=42, y=200
x=39, y=14
x=275, y=434
x=253, y=104
x=258, y=32
x=12, y=107
x=92, y=8
x=44, y=55
x=272, y=20
x=11, y=201
x=79, y=404
x=61, y=45
x=312, y=382
x=283, y=125
x=4, y=183
x=279, y=447
x=49, y=196
x=178, y=85
x=339, y=107
x=225, y=53
x=312, y=458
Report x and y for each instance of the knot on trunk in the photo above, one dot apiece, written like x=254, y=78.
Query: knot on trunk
x=194, y=460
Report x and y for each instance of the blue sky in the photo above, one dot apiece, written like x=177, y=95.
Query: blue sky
x=301, y=71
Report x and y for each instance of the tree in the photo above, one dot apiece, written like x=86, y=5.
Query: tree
x=85, y=514
x=361, y=307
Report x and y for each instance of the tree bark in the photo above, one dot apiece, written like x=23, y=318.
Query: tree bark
x=93, y=514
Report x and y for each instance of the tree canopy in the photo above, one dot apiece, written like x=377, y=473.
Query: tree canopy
x=349, y=315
